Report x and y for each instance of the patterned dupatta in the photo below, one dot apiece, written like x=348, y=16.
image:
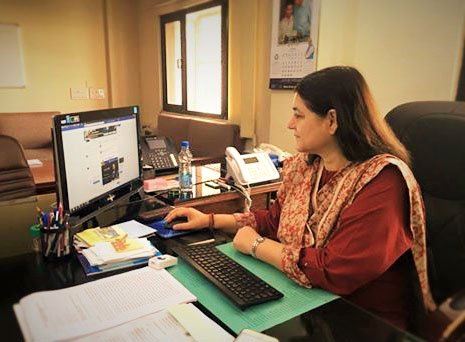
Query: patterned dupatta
x=310, y=221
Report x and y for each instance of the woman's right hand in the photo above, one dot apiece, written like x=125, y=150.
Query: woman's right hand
x=195, y=219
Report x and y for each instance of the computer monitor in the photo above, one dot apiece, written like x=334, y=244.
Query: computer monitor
x=97, y=158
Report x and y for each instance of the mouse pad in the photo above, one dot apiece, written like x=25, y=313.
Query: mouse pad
x=159, y=226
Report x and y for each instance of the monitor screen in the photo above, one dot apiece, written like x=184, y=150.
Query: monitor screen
x=97, y=157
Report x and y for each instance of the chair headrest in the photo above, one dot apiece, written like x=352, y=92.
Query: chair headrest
x=12, y=156
x=434, y=133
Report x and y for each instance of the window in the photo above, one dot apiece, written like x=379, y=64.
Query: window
x=194, y=56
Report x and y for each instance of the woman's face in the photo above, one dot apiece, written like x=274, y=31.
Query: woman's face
x=311, y=132
x=289, y=11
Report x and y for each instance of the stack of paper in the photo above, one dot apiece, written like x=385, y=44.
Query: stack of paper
x=105, y=252
x=131, y=306
x=132, y=229
x=114, y=247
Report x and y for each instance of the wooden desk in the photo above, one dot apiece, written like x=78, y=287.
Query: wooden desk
x=44, y=177
x=225, y=202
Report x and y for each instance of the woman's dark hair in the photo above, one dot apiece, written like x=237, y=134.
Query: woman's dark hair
x=362, y=133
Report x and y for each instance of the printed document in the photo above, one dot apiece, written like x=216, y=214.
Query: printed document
x=136, y=229
x=165, y=326
x=98, y=305
x=160, y=326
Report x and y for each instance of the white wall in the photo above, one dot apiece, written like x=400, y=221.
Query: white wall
x=408, y=50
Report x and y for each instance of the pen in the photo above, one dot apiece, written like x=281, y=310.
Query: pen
x=60, y=210
x=50, y=219
x=45, y=220
x=201, y=242
x=40, y=215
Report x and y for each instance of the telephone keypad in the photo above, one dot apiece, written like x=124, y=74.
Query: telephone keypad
x=160, y=160
x=255, y=172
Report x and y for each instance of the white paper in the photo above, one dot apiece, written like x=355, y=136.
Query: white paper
x=136, y=229
x=105, y=252
x=34, y=162
x=160, y=326
x=198, y=324
x=101, y=304
x=22, y=322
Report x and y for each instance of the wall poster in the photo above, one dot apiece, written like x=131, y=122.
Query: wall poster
x=294, y=41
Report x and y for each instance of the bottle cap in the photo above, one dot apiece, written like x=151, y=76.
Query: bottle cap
x=184, y=143
x=34, y=230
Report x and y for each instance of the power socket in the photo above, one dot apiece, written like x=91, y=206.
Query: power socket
x=79, y=93
x=97, y=93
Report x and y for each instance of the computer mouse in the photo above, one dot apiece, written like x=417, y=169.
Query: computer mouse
x=181, y=219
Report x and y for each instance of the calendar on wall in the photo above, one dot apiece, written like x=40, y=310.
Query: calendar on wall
x=294, y=41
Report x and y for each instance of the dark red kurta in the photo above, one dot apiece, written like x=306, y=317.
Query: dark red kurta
x=365, y=259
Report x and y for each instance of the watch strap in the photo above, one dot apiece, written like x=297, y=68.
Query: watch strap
x=255, y=244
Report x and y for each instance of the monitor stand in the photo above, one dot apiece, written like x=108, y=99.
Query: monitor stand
x=134, y=203
x=90, y=220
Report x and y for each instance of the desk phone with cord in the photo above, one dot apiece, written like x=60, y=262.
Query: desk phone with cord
x=159, y=153
x=250, y=168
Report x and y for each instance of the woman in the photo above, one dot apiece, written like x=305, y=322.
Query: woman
x=349, y=215
x=286, y=24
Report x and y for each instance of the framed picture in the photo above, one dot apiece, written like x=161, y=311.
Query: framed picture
x=294, y=41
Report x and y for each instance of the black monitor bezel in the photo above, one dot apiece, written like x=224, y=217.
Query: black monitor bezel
x=100, y=202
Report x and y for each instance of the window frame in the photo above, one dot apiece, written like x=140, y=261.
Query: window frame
x=460, y=95
x=181, y=17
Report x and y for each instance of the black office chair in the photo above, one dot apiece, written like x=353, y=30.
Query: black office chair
x=15, y=176
x=434, y=133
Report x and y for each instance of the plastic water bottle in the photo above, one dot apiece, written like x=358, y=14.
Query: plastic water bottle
x=185, y=168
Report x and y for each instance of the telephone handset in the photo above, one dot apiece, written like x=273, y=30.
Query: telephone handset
x=159, y=152
x=250, y=168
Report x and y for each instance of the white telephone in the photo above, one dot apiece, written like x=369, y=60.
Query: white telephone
x=250, y=168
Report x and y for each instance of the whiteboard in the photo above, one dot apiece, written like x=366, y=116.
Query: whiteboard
x=11, y=57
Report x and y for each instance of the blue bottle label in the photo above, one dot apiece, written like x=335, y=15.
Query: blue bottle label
x=185, y=180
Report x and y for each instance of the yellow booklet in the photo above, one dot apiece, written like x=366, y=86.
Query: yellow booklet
x=124, y=244
x=107, y=234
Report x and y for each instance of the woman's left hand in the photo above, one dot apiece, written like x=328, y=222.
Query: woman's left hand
x=244, y=239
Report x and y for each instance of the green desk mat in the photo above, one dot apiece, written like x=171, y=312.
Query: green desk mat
x=296, y=300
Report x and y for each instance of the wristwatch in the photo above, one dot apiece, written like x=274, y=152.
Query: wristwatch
x=255, y=244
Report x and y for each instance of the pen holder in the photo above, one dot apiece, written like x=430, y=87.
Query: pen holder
x=56, y=241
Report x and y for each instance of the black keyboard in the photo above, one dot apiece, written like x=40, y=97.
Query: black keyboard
x=241, y=286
